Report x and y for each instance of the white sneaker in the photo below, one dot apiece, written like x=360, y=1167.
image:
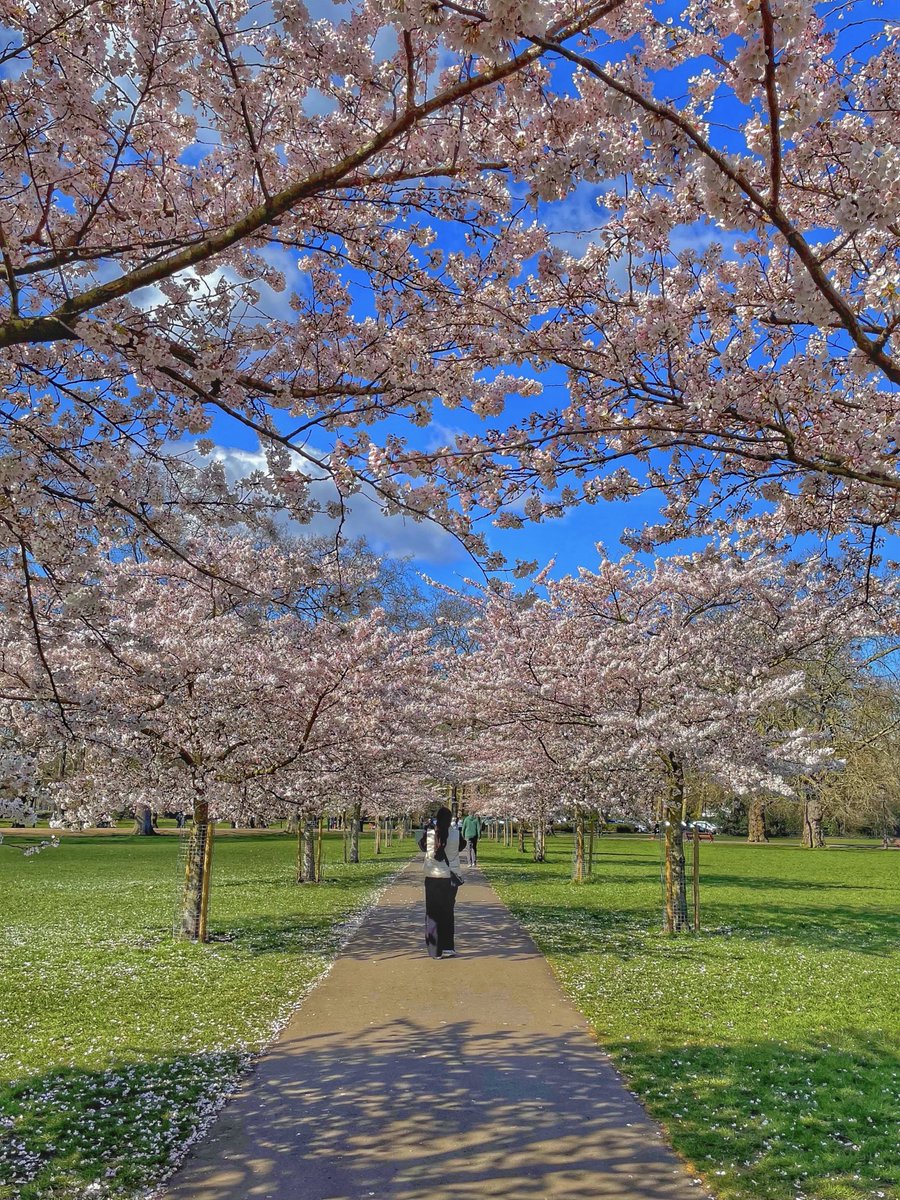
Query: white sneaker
x=449, y=954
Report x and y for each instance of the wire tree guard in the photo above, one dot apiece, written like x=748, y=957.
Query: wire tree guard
x=195, y=844
x=674, y=904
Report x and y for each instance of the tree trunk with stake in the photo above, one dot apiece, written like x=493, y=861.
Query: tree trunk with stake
x=355, y=819
x=539, y=833
x=813, y=837
x=578, y=863
x=676, y=918
x=198, y=867
x=306, y=851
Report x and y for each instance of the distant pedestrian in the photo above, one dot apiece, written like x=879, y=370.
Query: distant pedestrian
x=471, y=831
x=441, y=845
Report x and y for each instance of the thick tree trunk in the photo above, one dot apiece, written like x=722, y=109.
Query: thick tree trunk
x=578, y=862
x=521, y=837
x=454, y=800
x=676, y=917
x=143, y=821
x=813, y=838
x=378, y=835
x=293, y=822
x=198, y=866
x=355, y=818
x=756, y=820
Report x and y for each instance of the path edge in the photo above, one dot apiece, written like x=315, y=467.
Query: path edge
x=249, y=1061
x=696, y=1176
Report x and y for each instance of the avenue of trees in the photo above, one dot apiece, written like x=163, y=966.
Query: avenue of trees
x=336, y=236
x=303, y=695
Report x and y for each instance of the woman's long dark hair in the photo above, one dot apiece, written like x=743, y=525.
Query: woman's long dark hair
x=442, y=833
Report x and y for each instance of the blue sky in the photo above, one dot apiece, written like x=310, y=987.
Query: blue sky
x=569, y=541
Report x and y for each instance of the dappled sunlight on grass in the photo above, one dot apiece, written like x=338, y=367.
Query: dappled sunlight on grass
x=768, y=1044
x=116, y=1042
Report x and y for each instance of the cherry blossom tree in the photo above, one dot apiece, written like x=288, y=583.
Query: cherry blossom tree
x=185, y=692
x=368, y=738
x=195, y=198
x=527, y=690
x=167, y=167
x=668, y=670
x=729, y=326
x=18, y=767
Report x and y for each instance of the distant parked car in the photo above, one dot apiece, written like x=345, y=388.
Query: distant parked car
x=705, y=829
x=625, y=825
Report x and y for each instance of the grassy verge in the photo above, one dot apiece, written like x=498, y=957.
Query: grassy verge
x=767, y=1045
x=116, y=1041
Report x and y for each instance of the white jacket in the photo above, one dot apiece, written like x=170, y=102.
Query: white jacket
x=441, y=870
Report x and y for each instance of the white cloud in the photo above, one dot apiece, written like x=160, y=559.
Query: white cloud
x=395, y=535
x=272, y=304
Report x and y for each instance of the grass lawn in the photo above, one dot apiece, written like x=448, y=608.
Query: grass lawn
x=116, y=1041
x=769, y=1045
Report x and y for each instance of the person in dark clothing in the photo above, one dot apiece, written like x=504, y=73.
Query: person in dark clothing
x=441, y=845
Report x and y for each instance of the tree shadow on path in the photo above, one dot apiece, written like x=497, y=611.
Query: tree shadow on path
x=407, y=1078
x=412, y=1110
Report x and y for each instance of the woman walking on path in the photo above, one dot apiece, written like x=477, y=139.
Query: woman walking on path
x=442, y=845
x=471, y=831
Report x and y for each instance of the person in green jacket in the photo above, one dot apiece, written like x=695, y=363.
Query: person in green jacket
x=471, y=831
